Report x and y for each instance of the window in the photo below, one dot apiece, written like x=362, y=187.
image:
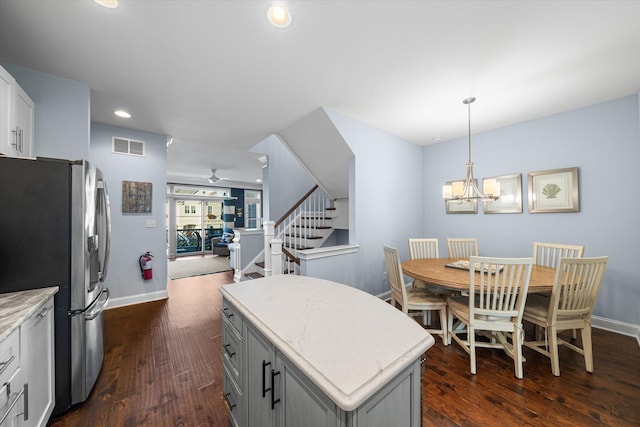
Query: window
x=252, y=207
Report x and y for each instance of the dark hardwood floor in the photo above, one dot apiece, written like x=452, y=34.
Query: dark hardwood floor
x=162, y=367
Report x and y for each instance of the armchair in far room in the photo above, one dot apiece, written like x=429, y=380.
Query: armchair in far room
x=220, y=245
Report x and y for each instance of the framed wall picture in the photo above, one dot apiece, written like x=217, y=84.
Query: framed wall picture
x=510, y=200
x=136, y=197
x=460, y=207
x=554, y=190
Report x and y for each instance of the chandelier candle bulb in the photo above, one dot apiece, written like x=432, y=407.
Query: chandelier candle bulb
x=489, y=186
x=458, y=188
x=447, y=191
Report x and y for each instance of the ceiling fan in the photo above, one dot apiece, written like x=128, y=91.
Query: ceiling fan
x=214, y=178
x=211, y=179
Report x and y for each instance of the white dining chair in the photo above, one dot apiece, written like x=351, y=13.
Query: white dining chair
x=549, y=254
x=424, y=248
x=462, y=247
x=570, y=307
x=413, y=299
x=498, y=291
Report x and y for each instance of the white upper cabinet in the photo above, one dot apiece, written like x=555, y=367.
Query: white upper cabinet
x=16, y=118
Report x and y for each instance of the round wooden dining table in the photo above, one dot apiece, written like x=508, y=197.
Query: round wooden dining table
x=434, y=271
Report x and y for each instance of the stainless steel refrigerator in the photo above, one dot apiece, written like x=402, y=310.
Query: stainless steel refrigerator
x=55, y=231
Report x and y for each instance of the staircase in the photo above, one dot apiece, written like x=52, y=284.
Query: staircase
x=307, y=225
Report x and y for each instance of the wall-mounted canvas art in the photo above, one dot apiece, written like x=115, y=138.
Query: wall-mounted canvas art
x=136, y=197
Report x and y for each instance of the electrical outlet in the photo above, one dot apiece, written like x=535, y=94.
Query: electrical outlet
x=150, y=223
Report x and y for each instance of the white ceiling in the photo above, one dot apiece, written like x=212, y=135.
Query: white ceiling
x=216, y=75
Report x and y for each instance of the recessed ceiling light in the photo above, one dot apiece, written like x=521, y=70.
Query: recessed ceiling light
x=258, y=180
x=436, y=138
x=122, y=113
x=279, y=16
x=111, y=4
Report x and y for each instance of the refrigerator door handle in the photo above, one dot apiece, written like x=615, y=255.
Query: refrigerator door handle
x=92, y=307
x=104, y=210
x=98, y=307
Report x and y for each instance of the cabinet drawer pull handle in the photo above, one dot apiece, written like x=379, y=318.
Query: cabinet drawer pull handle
x=227, y=315
x=229, y=353
x=274, y=374
x=43, y=312
x=25, y=390
x=264, y=380
x=228, y=400
x=13, y=403
x=5, y=365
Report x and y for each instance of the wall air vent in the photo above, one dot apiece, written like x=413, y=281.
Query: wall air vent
x=128, y=146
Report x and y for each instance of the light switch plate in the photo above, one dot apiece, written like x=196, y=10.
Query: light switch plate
x=150, y=223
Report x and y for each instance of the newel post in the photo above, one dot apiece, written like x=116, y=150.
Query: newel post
x=268, y=236
x=236, y=258
x=276, y=257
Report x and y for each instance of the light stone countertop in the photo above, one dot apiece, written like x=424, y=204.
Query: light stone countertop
x=348, y=342
x=16, y=307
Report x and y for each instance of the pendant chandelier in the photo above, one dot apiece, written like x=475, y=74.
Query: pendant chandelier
x=467, y=190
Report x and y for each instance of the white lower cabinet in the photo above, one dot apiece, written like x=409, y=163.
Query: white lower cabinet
x=26, y=372
x=36, y=335
x=11, y=390
x=273, y=392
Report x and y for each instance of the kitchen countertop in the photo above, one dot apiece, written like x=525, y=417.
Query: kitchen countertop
x=16, y=307
x=348, y=342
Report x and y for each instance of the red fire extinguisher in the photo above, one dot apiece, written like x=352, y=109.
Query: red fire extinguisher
x=146, y=265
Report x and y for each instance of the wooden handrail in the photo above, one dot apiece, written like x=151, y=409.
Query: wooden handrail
x=294, y=207
x=291, y=256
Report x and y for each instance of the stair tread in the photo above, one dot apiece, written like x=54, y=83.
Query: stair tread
x=260, y=264
x=319, y=227
x=254, y=275
x=303, y=237
x=298, y=248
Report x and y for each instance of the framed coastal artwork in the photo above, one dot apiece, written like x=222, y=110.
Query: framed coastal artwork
x=510, y=200
x=554, y=190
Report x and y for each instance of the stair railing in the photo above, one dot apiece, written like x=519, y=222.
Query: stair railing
x=299, y=223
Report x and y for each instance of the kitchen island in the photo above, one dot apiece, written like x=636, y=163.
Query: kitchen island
x=304, y=351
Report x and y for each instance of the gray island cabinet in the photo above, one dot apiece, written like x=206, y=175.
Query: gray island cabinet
x=300, y=351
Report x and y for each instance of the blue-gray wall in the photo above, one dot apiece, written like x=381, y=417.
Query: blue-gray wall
x=285, y=180
x=603, y=141
x=130, y=236
x=385, y=198
x=62, y=114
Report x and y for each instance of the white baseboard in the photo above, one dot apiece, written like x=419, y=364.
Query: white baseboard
x=616, y=326
x=385, y=296
x=137, y=299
